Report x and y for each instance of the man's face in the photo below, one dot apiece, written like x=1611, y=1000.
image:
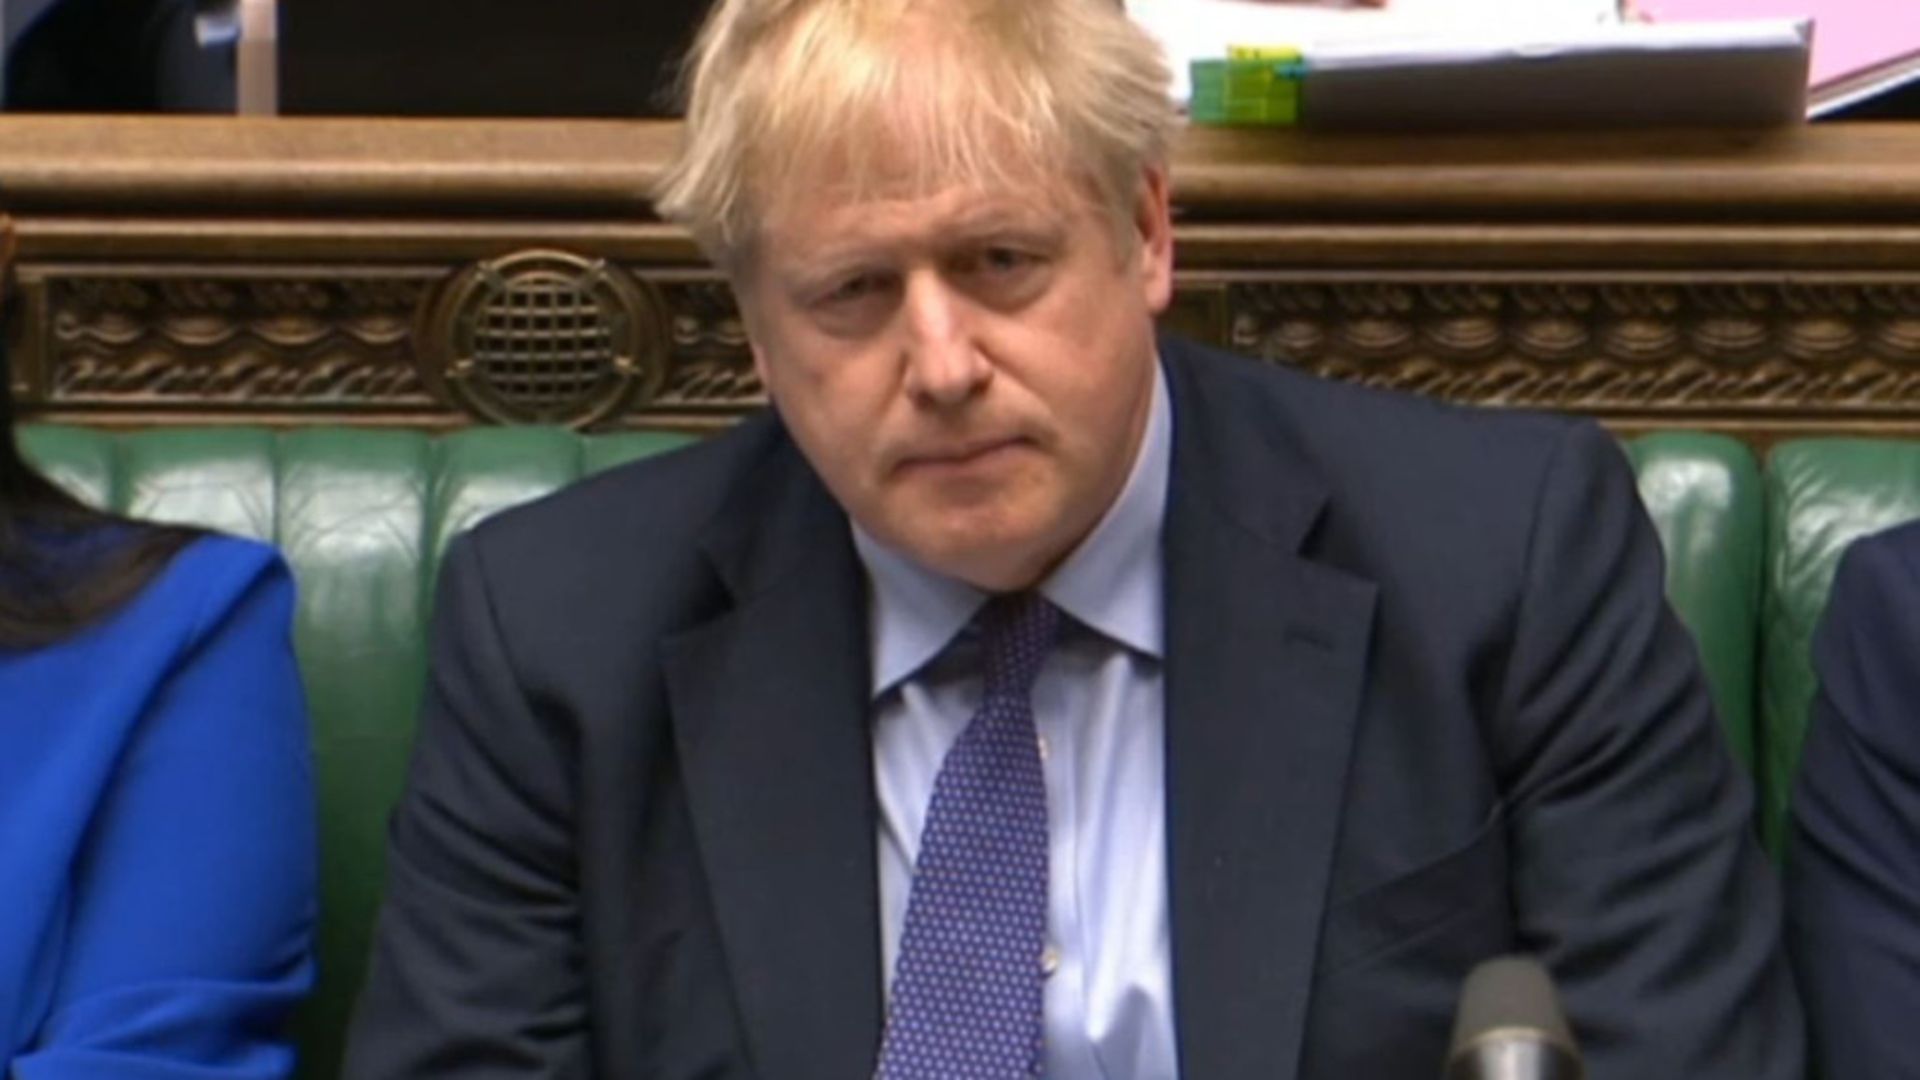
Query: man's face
x=969, y=371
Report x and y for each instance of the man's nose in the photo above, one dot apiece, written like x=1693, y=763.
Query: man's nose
x=945, y=366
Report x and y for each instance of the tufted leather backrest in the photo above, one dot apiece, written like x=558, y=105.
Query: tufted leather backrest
x=1704, y=495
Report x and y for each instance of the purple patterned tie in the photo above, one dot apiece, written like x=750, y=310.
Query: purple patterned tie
x=967, y=1001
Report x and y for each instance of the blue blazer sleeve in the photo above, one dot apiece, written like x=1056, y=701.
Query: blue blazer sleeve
x=187, y=938
x=1853, y=872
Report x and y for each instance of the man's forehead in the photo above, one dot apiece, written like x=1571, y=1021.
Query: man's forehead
x=811, y=214
x=883, y=210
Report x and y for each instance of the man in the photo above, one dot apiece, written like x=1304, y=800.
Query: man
x=1853, y=874
x=1028, y=694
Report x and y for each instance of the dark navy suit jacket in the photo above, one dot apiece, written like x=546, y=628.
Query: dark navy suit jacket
x=1854, y=866
x=1425, y=704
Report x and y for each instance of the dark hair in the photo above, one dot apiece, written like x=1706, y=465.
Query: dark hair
x=63, y=564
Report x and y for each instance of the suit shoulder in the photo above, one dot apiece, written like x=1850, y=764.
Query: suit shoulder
x=220, y=562
x=1881, y=561
x=629, y=513
x=1875, y=595
x=210, y=577
x=1430, y=499
x=1349, y=429
x=1864, y=647
x=216, y=588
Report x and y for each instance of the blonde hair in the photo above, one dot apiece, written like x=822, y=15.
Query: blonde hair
x=932, y=93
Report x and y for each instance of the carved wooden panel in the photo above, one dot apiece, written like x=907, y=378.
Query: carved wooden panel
x=445, y=273
x=207, y=340
x=357, y=344
x=362, y=344
x=1627, y=346
x=711, y=374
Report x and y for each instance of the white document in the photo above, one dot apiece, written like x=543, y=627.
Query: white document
x=1483, y=64
x=1456, y=47
x=1730, y=74
x=1202, y=29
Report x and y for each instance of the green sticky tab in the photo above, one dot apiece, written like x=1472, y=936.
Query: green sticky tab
x=1247, y=90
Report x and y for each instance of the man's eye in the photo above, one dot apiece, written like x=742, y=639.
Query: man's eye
x=1001, y=260
x=1004, y=276
x=854, y=288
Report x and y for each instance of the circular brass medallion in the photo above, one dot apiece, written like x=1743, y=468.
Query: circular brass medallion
x=547, y=337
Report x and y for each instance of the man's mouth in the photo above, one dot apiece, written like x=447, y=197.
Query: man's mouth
x=959, y=455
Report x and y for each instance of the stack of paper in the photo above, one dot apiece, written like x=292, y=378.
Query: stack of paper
x=1485, y=64
x=1204, y=29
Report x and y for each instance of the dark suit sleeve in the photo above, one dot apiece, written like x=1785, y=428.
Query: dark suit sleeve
x=1854, y=864
x=476, y=968
x=1636, y=874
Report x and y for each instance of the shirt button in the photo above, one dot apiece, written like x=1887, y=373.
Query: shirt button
x=1049, y=960
x=1046, y=751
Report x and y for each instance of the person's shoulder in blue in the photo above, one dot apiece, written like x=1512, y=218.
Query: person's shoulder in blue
x=157, y=833
x=1853, y=869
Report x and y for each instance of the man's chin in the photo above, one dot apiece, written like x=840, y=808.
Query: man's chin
x=995, y=556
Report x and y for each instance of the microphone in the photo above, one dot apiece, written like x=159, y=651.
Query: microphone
x=1510, y=1027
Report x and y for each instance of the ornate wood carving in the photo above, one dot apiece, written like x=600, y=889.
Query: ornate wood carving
x=1621, y=347
x=1624, y=347
x=711, y=373
x=303, y=345
x=202, y=340
x=376, y=272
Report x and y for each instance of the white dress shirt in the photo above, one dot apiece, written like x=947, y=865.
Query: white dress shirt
x=1099, y=708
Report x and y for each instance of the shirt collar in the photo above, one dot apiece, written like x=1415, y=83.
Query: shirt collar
x=1110, y=583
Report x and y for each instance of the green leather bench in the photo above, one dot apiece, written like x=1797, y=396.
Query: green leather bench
x=364, y=518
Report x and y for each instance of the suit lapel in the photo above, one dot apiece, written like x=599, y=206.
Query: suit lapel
x=1266, y=660
x=769, y=706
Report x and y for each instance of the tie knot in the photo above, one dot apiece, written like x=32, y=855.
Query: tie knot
x=1018, y=630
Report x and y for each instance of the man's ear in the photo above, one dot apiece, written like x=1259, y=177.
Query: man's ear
x=1153, y=232
x=737, y=272
x=759, y=363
